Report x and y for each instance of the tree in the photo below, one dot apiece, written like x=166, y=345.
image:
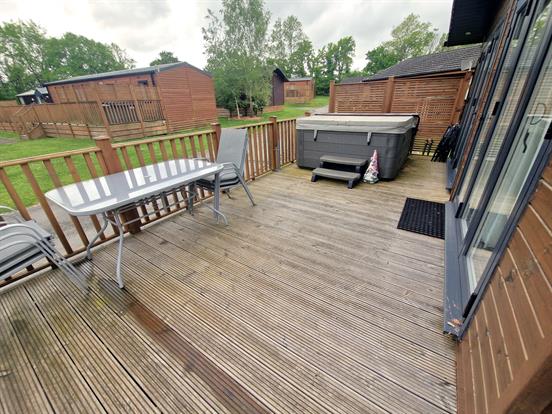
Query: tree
x=74, y=55
x=21, y=57
x=332, y=62
x=236, y=48
x=301, y=61
x=289, y=46
x=28, y=57
x=410, y=38
x=164, y=57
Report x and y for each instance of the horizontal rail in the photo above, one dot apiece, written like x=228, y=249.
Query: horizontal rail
x=50, y=156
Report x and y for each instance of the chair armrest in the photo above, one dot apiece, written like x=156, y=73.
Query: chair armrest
x=35, y=234
x=231, y=166
x=11, y=210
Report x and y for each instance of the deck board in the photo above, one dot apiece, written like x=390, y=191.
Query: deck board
x=310, y=302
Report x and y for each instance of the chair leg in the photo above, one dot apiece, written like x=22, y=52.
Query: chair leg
x=246, y=188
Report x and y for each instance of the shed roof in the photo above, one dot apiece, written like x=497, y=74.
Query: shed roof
x=125, y=72
x=281, y=74
x=304, y=78
x=353, y=79
x=447, y=61
x=31, y=92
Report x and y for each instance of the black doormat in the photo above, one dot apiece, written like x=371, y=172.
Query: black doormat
x=424, y=217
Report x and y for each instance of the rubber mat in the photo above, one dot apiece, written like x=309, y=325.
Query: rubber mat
x=423, y=217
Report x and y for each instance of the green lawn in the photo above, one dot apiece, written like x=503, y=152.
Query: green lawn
x=22, y=149
x=289, y=111
x=28, y=148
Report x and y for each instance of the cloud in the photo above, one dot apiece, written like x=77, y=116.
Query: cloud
x=132, y=14
x=145, y=27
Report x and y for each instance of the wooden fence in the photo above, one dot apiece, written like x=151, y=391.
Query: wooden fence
x=7, y=117
x=438, y=99
x=118, y=119
x=25, y=181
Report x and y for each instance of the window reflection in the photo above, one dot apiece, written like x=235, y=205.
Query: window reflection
x=522, y=70
x=521, y=158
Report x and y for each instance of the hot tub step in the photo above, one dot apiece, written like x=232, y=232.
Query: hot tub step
x=351, y=177
x=334, y=159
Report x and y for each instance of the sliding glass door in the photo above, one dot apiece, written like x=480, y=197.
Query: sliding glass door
x=495, y=100
x=509, y=146
x=531, y=136
x=485, y=165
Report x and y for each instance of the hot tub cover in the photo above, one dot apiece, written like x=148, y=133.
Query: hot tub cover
x=391, y=124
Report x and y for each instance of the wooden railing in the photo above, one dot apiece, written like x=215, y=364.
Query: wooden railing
x=25, y=181
x=7, y=117
x=88, y=119
x=127, y=112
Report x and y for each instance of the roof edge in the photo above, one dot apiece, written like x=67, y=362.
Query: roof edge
x=107, y=75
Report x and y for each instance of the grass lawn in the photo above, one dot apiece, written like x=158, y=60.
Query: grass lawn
x=22, y=149
x=289, y=111
x=28, y=148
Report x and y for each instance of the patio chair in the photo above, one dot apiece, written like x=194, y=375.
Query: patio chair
x=24, y=243
x=231, y=154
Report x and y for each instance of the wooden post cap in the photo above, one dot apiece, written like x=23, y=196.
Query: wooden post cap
x=272, y=118
x=101, y=138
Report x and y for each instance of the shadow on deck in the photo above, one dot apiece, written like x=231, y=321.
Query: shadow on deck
x=312, y=301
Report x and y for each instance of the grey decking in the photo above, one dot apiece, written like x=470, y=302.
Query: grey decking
x=312, y=302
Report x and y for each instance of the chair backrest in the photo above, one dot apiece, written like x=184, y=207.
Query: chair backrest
x=233, y=147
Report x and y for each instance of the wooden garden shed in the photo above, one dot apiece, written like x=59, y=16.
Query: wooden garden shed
x=125, y=103
x=433, y=86
x=277, y=95
x=299, y=90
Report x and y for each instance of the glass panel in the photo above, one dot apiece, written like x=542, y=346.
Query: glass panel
x=497, y=93
x=522, y=70
x=525, y=148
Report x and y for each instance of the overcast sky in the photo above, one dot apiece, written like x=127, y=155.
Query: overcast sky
x=145, y=27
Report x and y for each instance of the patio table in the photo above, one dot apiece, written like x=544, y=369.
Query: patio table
x=114, y=194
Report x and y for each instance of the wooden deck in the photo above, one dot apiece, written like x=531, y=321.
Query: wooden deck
x=311, y=302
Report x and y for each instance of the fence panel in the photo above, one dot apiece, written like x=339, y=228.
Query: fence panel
x=8, y=113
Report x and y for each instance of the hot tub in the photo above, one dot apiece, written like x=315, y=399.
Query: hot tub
x=357, y=136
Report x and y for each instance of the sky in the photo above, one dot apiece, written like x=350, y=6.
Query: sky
x=145, y=27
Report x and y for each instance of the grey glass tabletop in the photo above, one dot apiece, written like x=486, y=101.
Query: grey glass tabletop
x=109, y=192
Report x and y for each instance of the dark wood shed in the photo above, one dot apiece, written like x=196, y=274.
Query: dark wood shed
x=277, y=97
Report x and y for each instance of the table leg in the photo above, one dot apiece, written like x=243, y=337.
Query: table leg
x=120, y=280
x=216, y=201
x=191, y=196
x=217, y=196
x=96, y=237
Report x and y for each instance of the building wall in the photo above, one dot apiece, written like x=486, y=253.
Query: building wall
x=187, y=95
x=277, y=96
x=188, y=98
x=88, y=91
x=299, y=91
x=505, y=359
x=438, y=100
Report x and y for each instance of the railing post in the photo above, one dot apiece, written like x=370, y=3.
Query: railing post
x=217, y=128
x=389, y=92
x=331, y=103
x=113, y=165
x=137, y=109
x=102, y=113
x=275, y=144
